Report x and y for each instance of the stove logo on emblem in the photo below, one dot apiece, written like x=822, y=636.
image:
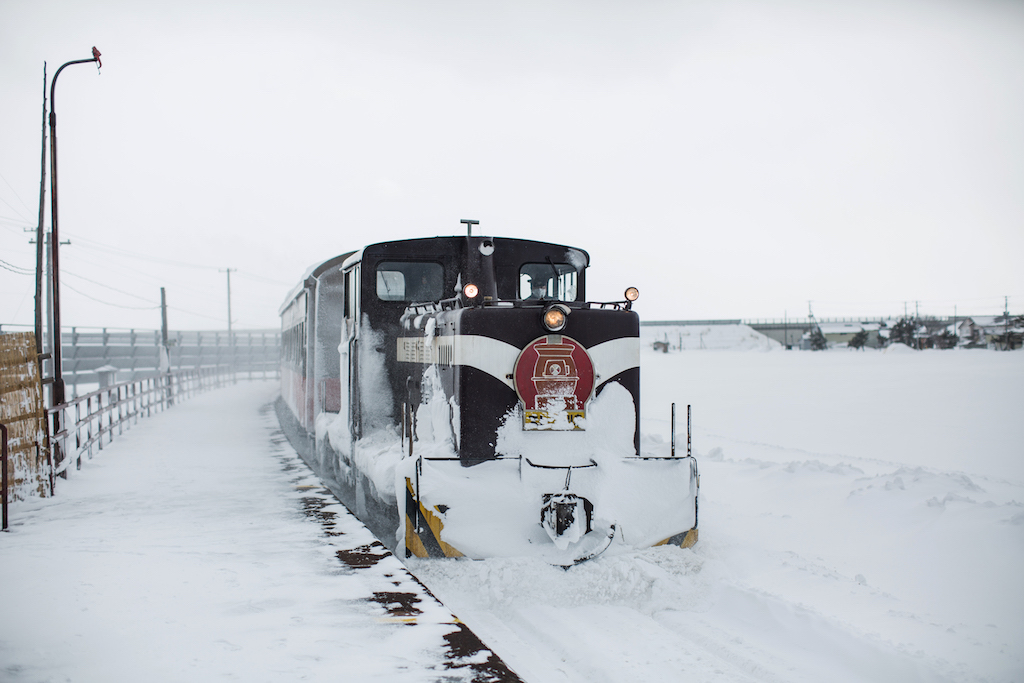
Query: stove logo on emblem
x=554, y=378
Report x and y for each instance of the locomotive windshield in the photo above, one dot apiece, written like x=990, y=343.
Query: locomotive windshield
x=410, y=281
x=547, y=281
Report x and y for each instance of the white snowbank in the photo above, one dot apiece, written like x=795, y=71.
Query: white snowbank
x=707, y=337
x=898, y=348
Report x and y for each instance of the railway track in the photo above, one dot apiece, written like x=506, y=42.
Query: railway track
x=393, y=596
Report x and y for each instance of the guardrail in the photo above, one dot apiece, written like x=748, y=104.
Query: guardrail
x=80, y=425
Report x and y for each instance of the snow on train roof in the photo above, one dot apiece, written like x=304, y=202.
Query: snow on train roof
x=313, y=271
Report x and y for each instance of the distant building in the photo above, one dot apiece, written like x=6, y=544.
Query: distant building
x=842, y=333
x=990, y=331
x=1000, y=330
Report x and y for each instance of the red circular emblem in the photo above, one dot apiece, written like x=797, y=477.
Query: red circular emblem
x=554, y=378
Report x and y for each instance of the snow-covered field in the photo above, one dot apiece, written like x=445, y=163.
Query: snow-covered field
x=862, y=519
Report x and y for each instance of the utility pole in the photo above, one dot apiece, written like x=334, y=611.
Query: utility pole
x=163, y=316
x=231, y=338
x=165, y=350
x=1006, y=323
x=40, y=266
x=228, y=271
x=39, y=236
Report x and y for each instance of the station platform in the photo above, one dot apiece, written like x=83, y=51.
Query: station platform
x=199, y=546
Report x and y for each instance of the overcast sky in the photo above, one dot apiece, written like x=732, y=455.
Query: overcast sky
x=729, y=158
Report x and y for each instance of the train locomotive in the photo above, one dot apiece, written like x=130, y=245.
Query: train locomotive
x=463, y=398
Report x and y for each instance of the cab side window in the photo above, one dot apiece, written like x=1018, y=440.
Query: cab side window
x=410, y=281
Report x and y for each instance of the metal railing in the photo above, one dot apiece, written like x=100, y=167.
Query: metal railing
x=136, y=354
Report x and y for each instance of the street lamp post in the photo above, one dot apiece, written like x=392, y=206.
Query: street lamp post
x=58, y=380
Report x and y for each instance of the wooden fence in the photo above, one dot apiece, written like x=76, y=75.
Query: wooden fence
x=46, y=444
x=23, y=413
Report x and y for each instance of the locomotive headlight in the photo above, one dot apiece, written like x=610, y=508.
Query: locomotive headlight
x=632, y=294
x=555, y=317
x=471, y=291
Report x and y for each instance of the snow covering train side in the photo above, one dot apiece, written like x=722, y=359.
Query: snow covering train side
x=463, y=397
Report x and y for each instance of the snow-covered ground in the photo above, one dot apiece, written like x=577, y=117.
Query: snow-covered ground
x=198, y=547
x=862, y=519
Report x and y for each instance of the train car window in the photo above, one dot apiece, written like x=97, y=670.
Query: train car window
x=345, y=313
x=548, y=281
x=410, y=281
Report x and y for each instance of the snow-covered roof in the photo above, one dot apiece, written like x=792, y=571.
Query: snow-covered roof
x=316, y=270
x=842, y=328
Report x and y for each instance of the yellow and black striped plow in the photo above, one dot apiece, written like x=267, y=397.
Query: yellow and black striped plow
x=687, y=539
x=423, y=529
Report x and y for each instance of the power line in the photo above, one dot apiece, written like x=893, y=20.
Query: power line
x=883, y=302
x=107, y=303
x=264, y=279
x=131, y=308
x=20, y=223
x=139, y=308
x=16, y=269
x=13, y=209
x=115, y=289
x=108, y=265
x=99, y=246
x=201, y=315
x=16, y=195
